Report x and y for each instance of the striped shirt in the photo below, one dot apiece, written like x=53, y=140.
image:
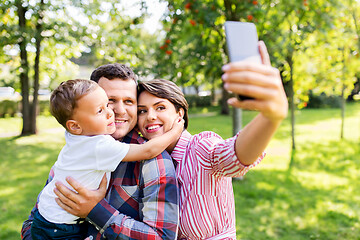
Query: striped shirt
x=141, y=203
x=205, y=166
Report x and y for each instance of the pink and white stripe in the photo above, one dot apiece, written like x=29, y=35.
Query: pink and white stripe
x=206, y=165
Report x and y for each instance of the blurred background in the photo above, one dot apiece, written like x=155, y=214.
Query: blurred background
x=315, y=45
x=305, y=190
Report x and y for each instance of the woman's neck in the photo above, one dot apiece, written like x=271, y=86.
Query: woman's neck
x=171, y=147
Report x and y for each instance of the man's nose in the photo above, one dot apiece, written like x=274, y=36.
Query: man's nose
x=119, y=109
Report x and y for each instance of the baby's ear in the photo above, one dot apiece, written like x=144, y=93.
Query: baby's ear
x=73, y=127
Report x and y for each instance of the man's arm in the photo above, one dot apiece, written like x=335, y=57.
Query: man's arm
x=158, y=206
x=26, y=227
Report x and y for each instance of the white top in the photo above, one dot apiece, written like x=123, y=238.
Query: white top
x=86, y=159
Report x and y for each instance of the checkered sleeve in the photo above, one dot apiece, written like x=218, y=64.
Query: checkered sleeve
x=158, y=208
x=26, y=227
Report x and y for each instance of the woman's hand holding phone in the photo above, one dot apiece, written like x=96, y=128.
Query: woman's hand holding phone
x=259, y=81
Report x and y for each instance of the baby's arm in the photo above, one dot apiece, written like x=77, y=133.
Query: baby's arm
x=155, y=146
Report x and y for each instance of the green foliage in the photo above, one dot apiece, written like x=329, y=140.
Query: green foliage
x=8, y=108
x=194, y=58
x=117, y=37
x=61, y=32
x=198, y=101
x=44, y=107
x=324, y=101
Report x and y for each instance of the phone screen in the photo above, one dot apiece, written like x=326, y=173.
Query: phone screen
x=242, y=43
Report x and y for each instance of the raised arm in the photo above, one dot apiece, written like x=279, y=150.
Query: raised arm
x=263, y=83
x=155, y=146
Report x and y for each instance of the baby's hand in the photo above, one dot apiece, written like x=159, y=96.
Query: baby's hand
x=178, y=125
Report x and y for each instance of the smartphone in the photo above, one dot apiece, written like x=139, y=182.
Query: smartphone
x=242, y=43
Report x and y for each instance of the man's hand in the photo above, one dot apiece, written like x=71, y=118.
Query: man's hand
x=79, y=203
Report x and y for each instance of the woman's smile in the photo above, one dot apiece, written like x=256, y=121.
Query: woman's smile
x=153, y=127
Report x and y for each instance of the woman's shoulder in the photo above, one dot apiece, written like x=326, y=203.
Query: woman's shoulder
x=206, y=135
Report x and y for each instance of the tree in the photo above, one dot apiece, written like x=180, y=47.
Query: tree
x=194, y=48
x=329, y=61
x=341, y=52
x=121, y=38
x=295, y=21
x=26, y=25
x=55, y=30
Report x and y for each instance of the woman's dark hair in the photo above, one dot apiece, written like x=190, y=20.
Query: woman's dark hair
x=168, y=90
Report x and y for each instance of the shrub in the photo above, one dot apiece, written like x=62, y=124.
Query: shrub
x=9, y=107
x=323, y=101
x=198, y=101
x=44, y=107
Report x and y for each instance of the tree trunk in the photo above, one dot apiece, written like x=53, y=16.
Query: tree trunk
x=342, y=113
x=292, y=102
x=213, y=94
x=237, y=120
x=224, y=106
x=230, y=15
x=224, y=94
x=38, y=39
x=24, y=71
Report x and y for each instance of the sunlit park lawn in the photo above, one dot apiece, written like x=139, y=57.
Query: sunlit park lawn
x=315, y=197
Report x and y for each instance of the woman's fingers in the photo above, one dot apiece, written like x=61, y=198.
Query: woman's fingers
x=249, y=67
x=246, y=104
x=264, y=54
x=259, y=81
x=257, y=92
x=246, y=77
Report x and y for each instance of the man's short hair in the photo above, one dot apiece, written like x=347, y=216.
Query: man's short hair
x=63, y=99
x=112, y=71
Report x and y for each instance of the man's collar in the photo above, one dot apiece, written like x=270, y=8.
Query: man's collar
x=133, y=137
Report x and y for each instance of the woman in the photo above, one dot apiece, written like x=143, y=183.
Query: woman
x=205, y=162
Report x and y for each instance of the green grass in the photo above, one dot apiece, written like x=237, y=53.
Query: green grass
x=310, y=194
x=13, y=125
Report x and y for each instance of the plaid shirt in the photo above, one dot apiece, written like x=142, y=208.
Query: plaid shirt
x=141, y=203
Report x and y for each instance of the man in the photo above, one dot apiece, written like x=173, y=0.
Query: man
x=142, y=199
